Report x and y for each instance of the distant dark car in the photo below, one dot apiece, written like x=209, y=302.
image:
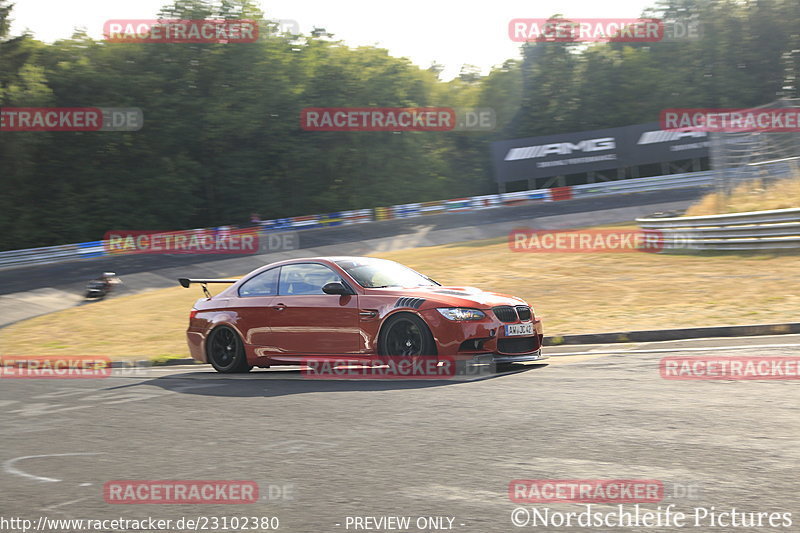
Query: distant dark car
x=99, y=288
x=355, y=309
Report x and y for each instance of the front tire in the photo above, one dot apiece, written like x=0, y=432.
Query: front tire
x=406, y=335
x=225, y=351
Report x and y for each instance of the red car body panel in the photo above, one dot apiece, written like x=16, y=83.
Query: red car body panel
x=292, y=329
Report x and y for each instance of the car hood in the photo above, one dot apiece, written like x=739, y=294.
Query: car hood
x=454, y=296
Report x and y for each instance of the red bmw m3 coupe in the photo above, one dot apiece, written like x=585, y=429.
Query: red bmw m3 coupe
x=356, y=309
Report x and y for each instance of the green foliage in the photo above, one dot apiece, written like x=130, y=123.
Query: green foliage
x=222, y=137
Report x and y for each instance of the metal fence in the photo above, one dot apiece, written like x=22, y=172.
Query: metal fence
x=754, y=159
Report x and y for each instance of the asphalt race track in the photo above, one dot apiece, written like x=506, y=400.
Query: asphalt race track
x=322, y=450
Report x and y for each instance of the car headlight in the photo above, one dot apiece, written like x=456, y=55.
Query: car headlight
x=461, y=313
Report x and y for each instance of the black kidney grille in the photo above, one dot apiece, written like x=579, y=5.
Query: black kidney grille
x=413, y=303
x=524, y=312
x=505, y=313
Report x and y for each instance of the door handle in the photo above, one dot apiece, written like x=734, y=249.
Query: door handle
x=279, y=307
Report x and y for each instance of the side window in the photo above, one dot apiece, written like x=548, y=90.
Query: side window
x=264, y=284
x=307, y=278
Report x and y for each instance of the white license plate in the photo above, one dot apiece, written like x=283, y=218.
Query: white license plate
x=519, y=329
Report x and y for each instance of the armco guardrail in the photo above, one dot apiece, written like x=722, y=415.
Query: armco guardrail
x=756, y=230
x=89, y=250
x=39, y=256
x=658, y=183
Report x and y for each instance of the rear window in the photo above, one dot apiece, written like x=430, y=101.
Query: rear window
x=264, y=284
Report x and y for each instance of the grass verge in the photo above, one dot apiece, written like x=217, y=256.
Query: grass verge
x=751, y=196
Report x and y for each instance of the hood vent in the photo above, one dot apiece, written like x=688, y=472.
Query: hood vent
x=454, y=293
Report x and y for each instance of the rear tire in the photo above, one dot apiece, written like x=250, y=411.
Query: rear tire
x=225, y=351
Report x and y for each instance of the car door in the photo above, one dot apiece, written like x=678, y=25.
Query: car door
x=305, y=320
x=254, y=306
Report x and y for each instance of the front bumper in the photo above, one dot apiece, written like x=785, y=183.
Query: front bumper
x=453, y=338
x=503, y=358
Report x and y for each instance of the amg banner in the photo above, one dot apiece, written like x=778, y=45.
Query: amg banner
x=576, y=153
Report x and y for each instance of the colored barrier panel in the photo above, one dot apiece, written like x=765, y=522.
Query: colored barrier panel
x=485, y=202
x=406, y=210
x=357, y=216
x=458, y=204
x=384, y=213
x=331, y=219
x=432, y=208
x=561, y=193
x=305, y=222
x=90, y=250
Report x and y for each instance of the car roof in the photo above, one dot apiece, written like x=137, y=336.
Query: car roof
x=329, y=259
x=348, y=258
x=326, y=259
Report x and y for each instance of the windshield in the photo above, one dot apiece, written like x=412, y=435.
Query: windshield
x=377, y=273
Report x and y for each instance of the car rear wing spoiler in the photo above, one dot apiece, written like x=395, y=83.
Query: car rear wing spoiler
x=186, y=282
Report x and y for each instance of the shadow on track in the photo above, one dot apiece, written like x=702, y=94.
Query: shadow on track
x=273, y=383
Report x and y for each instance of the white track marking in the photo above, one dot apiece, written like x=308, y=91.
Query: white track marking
x=51, y=507
x=662, y=350
x=9, y=467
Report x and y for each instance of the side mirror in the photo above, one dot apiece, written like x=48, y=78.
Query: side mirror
x=335, y=288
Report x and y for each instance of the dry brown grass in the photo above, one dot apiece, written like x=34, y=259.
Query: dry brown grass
x=140, y=326
x=574, y=293
x=752, y=196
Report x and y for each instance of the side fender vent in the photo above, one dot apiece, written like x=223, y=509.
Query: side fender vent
x=413, y=303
